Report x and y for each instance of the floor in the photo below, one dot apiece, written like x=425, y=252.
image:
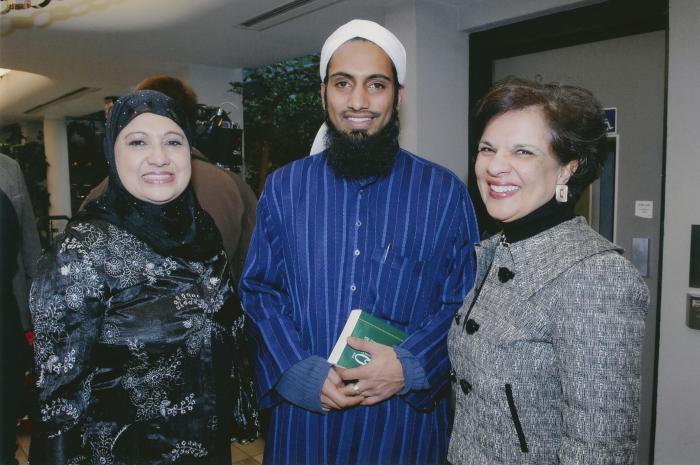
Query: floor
x=248, y=454
x=22, y=449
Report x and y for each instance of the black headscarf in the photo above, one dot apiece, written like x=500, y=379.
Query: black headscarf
x=178, y=228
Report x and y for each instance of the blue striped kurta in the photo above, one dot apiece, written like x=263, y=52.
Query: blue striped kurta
x=400, y=247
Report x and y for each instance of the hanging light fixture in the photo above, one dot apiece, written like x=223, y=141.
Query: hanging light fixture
x=9, y=5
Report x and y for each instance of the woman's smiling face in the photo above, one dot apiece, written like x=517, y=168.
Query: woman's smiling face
x=152, y=158
x=516, y=168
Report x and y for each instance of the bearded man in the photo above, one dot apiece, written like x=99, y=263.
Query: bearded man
x=364, y=225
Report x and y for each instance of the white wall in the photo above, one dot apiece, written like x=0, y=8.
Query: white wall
x=434, y=120
x=443, y=92
x=401, y=20
x=57, y=174
x=678, y=399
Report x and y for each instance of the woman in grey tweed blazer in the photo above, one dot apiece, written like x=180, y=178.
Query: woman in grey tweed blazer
x=546, y=349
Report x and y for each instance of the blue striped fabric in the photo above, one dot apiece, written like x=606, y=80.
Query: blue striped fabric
x=401, y=248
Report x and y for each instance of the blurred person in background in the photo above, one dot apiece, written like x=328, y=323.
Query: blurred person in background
x=19, y=251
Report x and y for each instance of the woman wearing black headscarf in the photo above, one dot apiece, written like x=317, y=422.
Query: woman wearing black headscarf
x=133, y=355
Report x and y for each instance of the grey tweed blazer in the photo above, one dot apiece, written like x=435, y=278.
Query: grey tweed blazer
x=547, y=364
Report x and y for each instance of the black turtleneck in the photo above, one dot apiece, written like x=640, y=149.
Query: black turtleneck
x=550, y=214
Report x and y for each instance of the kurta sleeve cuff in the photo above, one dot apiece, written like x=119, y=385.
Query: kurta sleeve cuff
x=413, y=373
x=302, y=383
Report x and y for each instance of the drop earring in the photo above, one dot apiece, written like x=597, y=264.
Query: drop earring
x=561, y=193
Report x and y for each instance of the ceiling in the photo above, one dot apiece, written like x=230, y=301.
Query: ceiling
x=94, y=48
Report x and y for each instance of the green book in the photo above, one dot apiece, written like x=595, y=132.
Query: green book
x=362, y=325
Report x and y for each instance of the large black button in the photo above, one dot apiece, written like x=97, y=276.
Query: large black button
x=453, y=376
x=458, y=317
x=471, y=326
x=466, y=387
x=505, y=275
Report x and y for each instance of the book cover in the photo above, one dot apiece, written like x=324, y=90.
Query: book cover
x=362, y=325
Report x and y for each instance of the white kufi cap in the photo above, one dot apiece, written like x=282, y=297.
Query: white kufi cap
x=371, y=31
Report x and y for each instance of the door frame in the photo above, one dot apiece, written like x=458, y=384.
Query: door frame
x=602, y=21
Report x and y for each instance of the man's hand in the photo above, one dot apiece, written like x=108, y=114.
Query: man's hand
x=332, y=396
x=380, y=379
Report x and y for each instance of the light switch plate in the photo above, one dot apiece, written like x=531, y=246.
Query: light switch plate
x=640, y=255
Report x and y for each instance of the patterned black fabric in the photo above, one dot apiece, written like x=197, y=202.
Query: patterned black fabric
x=133, y=353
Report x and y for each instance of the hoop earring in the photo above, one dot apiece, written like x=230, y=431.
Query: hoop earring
x=561, y=193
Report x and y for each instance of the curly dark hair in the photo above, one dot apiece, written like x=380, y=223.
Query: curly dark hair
x=175, y=88
x=575, y=118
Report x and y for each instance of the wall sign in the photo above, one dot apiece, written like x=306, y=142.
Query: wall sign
x=644, y=208
x=611, y=120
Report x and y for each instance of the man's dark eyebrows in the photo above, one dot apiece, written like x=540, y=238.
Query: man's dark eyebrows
x=342, y=74
x=379, y=76
x=371, y=76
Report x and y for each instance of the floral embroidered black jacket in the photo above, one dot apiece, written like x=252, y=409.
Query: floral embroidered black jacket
x=132, y=352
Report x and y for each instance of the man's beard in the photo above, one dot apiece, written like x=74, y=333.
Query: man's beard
x=358, y=155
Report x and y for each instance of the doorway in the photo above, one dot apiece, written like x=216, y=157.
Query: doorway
x=597, y=202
